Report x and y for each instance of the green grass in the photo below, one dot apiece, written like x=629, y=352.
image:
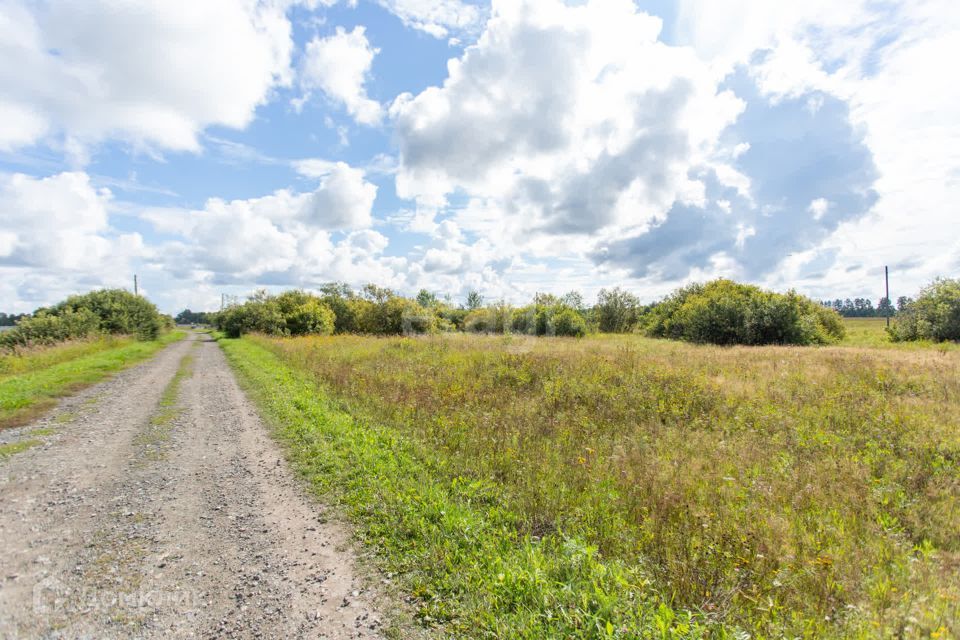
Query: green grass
x=871, y=332
x=44, y=377
x=11, y=448
x=157, y=434
x=457, y=548
x=35, y=359
x=547, y=487
x=620, y=486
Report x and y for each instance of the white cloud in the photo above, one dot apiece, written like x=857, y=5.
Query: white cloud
x=886, y=61
x=819, y=207
x=151, y=73
x=282, y=237
x=56, y=239
x=556, y=115
x=439, y=18
x=339, y=66
x=53, y=222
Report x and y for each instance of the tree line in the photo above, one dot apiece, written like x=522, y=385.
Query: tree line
x=863, y=307
x=721, y=312
x=11, y=319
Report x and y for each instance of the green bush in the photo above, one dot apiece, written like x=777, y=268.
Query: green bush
x=567, y=322
x=290, y=313
x=110, y=311
x=303, y=313
x=616, y=311
x=493, y=319
x=554, y=319
x=725, y=312
x=46, y=329
x=119, y=312
x=934, y=315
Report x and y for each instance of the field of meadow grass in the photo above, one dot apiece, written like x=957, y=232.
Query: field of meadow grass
x=32, y=379
x=618, y=486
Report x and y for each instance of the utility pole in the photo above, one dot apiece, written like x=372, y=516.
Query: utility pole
x=136, y=289
x=886, y=277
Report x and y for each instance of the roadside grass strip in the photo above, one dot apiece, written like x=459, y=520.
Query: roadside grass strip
x=156, y=435
x=25, y=396
x=454, y=545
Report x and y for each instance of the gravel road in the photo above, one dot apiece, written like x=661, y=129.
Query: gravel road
x=158, y=506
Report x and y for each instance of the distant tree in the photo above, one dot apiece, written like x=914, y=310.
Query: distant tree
x=903, y=302
x=884, y=308
x=193, y=317
x=9, y=320
x=337, y=289
x=474, y=300
x=427, y=299
x=574, y=300
x=376, y=293
x=616, y=310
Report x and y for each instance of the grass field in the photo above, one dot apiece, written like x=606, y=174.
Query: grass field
x=621, y=487
x=31, y=382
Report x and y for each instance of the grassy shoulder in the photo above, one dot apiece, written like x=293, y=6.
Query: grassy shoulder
x=546, y=487
x=454, y=542
x=39, y=378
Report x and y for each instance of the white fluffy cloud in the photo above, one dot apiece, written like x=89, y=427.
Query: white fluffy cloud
x=283, y=237
x=570, y=119
x=339, y=66
x=52, y=222
x=439, y=18
x=885, y=60
x=56, y=239
x=152, y=73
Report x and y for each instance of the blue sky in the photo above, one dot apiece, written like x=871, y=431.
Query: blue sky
x=517, y=147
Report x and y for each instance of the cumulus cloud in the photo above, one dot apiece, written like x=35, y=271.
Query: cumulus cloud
x=559, y=113
x=150, y=73
x=53, y=222
x=56, y=239
x=439, y=18
x=877, y=58
x=339, y=66
x=810, y=172
x=277, y=238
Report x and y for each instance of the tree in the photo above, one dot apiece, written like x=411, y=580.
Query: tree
x=474, y=300
x=903, y=302
x=427, y=299
x=616, y=310
x=884, y=308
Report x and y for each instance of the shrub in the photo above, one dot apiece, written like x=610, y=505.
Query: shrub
x=554, y=319
x=616, y=311
x=725, y=312
x=291, y=313
x=112, y=311
x=934, y=315
x=119, y=312
x=493, y=319
x=567, y=322
x=46, y=329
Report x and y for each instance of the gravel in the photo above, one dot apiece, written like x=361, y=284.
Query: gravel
x=132, y=521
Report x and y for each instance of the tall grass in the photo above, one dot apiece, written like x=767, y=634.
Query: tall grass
x=805, y=492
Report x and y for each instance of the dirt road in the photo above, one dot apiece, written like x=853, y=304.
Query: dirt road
x=160, y=507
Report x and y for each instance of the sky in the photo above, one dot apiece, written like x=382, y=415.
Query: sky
x=511, y=147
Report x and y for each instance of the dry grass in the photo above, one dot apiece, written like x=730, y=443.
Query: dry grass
x=789, y=490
